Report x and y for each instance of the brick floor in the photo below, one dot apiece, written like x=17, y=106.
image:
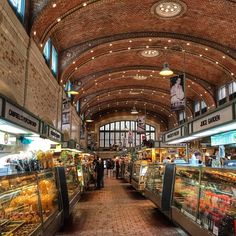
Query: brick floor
x=117, y=210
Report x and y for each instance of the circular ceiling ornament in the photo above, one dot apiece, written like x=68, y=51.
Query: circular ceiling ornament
x=149, y=53
x=140, y=77
x=169, y=9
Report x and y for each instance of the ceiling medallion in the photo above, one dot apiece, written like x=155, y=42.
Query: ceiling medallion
x=149, y=53
x=140, y=77
x=169, y=9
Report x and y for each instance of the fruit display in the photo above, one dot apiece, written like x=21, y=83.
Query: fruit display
x=26, y=230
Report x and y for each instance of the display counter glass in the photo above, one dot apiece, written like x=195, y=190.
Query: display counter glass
x=72, y=181
x=139, y=172
x=217, y=205
x=155, y=177
x=20, y=212
x=49, y=195
x=207, y=197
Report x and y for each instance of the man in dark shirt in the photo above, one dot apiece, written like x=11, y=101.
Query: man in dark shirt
x=99, y=168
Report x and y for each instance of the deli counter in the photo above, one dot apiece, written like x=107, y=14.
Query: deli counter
x=204, y=200
x=201, y=200
x=138, y=178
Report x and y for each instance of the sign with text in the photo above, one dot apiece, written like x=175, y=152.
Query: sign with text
x=177, y=93
x=17, y=116
x=216, y=118
x=223, y=139
x=173, y=135
x=54, y=134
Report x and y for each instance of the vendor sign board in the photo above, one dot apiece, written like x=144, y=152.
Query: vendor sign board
x=20, y=117
x=216, y=118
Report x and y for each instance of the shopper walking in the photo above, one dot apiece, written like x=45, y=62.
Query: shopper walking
x=100, y=173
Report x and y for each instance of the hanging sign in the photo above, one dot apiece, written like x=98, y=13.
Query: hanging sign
x=216, y=118
x=224, y=138
x=17, y=116
x=177, y=93
x=141, y=125
x=54, y=134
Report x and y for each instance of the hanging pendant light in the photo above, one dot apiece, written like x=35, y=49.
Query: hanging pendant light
x=134, y=111
x=89, y=119
x=74, y=90
x=166, y=71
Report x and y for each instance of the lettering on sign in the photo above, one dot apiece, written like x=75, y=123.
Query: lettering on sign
x=16, y=115
x=54, y=134
x=216, y=118
x=172, y=135
x=210, y=120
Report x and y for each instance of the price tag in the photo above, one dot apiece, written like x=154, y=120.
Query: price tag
x=215, y=230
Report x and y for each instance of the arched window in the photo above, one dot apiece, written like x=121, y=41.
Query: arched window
x=19, y=7
x=122, y=132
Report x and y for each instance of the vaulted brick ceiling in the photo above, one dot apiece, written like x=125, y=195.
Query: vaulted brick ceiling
x=100, y=45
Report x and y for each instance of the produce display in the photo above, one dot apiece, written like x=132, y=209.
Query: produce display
x=155, y=176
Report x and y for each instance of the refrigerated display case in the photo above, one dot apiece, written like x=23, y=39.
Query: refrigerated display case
x=204, y=200
x=159, y=185
x=139, y=171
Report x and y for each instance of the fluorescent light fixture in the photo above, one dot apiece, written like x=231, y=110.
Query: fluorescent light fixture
x=8, y=127
x=206, y=133
x=134, y=111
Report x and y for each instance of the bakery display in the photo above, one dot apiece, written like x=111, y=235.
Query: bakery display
x=27, y=201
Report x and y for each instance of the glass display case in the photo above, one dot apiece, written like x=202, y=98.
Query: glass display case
x=204, y=200
x=139, y=175
x=72, y=180
x=217, y=204
x=20, y=212
x=186, y=190
x=155, y=177
x=49, y=196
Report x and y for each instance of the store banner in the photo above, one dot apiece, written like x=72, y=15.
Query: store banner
x=17, y=116
x=130, y=137
x=66, y=111
x=214, y=119
x=177, y=93
x=54, y=134
x=141, y=125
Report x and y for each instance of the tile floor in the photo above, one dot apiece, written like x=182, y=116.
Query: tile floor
x=117, y=210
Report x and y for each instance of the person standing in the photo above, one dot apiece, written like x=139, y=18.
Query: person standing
x=117, y=168
x=100, y=173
